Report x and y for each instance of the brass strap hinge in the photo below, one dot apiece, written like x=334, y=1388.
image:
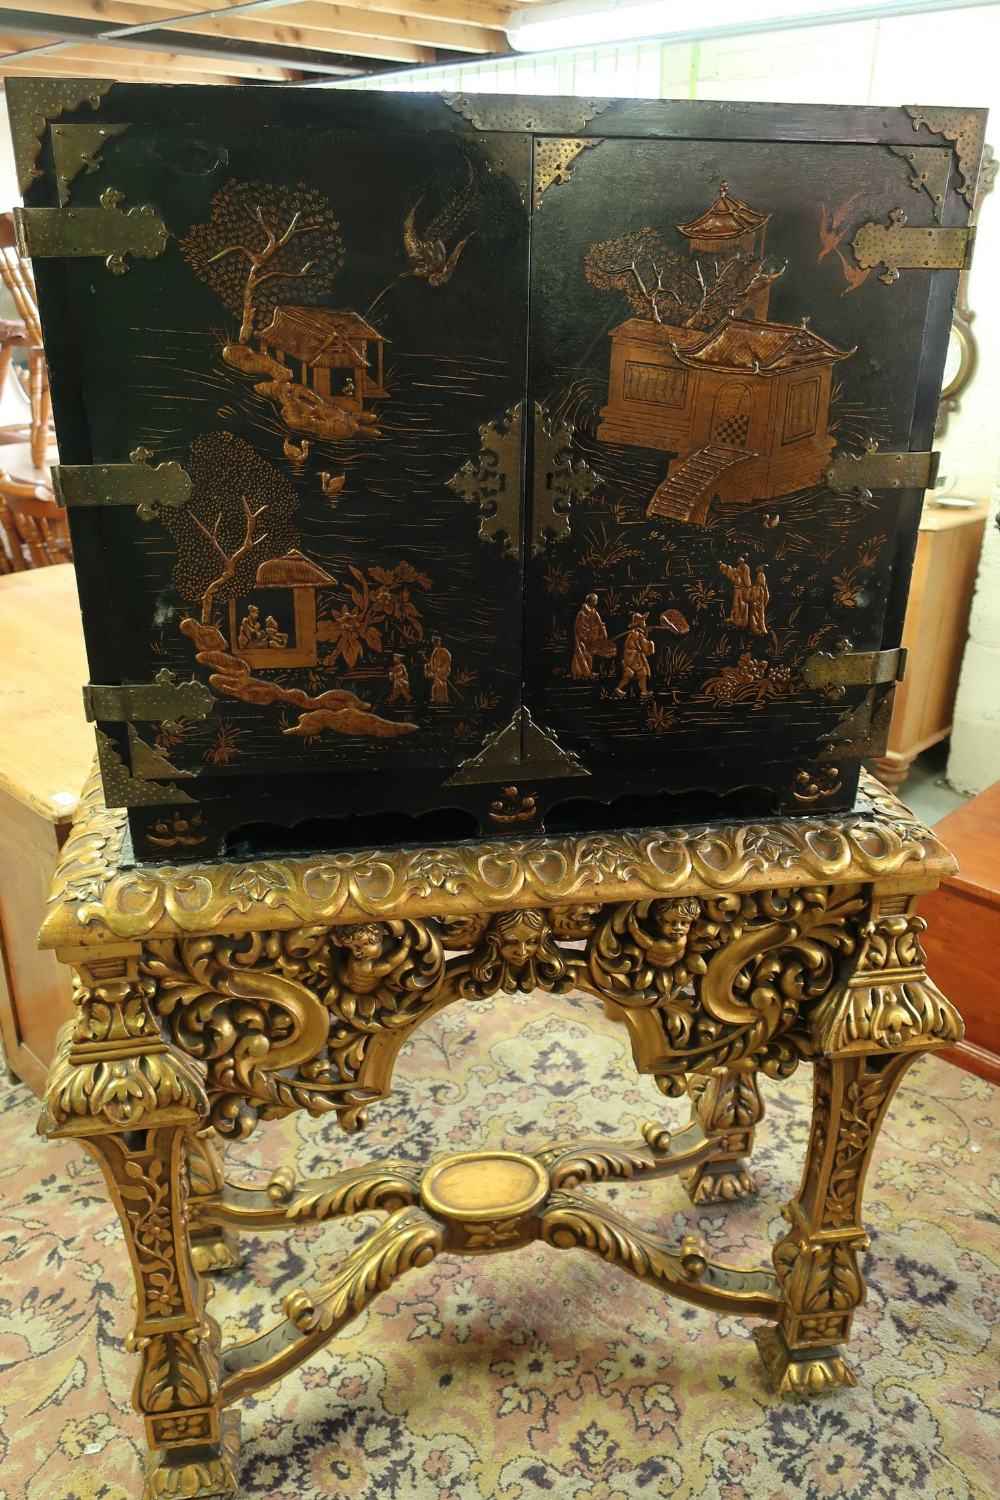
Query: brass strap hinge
x=76, y=233
x=858, y=474
x=837, y=670
x=162, y=701
x=134, y=483
x=899, y=246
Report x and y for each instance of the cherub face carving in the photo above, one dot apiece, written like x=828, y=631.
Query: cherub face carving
x=520, y=935
x=363, y=940
x=672, y=921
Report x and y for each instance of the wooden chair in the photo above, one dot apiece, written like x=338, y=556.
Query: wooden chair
x=33, y=529
x=15, y=272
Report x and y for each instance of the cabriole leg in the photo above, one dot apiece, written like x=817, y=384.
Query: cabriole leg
x=867, y=1030
x=727, y=1104
x=817, y=1259
x=135, y=1104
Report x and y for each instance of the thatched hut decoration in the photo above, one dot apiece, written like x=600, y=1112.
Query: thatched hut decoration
x=338, y=355
x=268, y=630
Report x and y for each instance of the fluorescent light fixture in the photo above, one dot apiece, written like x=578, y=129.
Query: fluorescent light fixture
x=588, y=23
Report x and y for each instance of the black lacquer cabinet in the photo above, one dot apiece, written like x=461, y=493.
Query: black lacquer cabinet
x=438, y=464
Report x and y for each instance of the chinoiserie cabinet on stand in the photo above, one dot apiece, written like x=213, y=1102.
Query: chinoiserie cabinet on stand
x=493, y=520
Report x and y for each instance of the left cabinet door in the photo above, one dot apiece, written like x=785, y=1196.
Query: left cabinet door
x=331, y=345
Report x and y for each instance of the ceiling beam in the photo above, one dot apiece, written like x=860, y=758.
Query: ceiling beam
x=312, y=25
x=338, y=22
x=42, y=55
x=489, y=13
x=117, y=71
x=246, y=58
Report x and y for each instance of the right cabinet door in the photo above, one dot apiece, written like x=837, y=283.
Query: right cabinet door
x=702, y=601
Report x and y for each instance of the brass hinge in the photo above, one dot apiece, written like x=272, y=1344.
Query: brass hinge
x=162, y=701
x=134, y=483
x=858, y=474
x=78, y=233
x=837, y=670
x=900, y=246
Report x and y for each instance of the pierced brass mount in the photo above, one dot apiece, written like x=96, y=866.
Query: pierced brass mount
x=964, y=131
x=33, y=103
x=80, y=233
x=522, y=747
x=901, y=246
x=74, y=150
x=559, y=481
x=837, y=670
x=858, y=474
x=135, y=483
x=162, y=701
x=493, y=481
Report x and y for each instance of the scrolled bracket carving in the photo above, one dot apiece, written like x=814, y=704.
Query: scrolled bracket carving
x=702, y=983
x=113, y=1070
x=887, y=1002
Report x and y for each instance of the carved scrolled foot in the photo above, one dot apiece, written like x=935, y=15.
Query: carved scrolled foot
x=803, y=1373
x=728, y=1106
x=213, y=1248
x=215, y=1251
x=715, y=1182
x=203, y=1473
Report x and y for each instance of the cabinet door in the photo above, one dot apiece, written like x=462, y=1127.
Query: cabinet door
x=704, y=341
x=336, y=313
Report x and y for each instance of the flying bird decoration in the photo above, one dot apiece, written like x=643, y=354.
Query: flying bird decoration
x=834, y=227
x=427, y=248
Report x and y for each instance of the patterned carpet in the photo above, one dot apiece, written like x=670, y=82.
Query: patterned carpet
x=539, y=1373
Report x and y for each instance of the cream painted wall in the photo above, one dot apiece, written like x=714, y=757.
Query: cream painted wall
x=950, y=58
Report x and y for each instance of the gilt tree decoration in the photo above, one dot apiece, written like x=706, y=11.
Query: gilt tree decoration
x=239, y=515
x=667, y=287
x=260, y=241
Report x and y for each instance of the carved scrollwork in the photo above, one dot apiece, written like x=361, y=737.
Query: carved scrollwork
x=725, y=978
x=287, y=1020
x=96, y=896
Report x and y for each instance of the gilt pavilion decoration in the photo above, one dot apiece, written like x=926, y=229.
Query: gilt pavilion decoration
x=742, y=401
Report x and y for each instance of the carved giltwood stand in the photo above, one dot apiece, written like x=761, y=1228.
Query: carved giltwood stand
x=212, y=996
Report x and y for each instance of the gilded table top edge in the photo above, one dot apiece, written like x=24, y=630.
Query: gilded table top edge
x=95, y=900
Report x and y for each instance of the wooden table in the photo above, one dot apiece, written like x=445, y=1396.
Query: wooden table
x=46, y=749
x=935, y=632
x=217, y=995
x=963, y=935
